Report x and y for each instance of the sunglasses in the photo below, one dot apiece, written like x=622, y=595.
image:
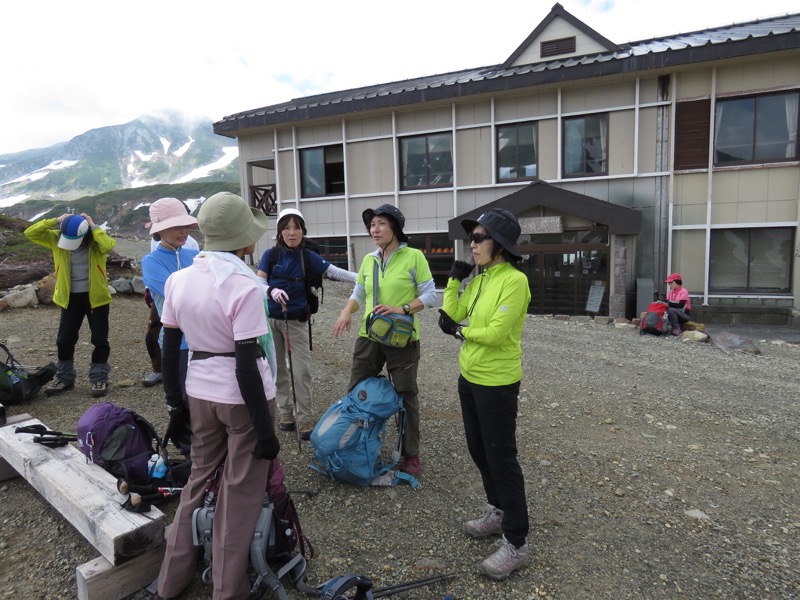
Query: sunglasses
x=479, y=237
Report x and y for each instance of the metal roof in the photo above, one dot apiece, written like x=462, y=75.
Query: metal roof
x=730, y=41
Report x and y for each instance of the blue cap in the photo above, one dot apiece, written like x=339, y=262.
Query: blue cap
x=73, y=228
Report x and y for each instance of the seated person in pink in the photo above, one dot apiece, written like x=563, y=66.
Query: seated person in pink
x=680, y=306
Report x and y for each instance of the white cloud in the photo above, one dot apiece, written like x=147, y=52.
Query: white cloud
x=87, y=73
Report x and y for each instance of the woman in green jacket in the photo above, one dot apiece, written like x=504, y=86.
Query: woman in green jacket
x=80, y=249
x=495, y=303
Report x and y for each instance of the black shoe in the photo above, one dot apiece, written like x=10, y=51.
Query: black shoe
x=99, y=389
x=287, y=425
x=57, y=386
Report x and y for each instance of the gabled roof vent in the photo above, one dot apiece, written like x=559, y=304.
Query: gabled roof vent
x=556, y=47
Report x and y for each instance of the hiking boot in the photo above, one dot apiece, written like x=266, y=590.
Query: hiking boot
x=152, y=379
x=506, y=560
x=411, y=465
x=99, y=389
x=305, y=430
x=287, y=422
x=489, y=524
x=57, y=386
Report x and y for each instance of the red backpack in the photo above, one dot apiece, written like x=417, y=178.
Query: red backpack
x=655, y=320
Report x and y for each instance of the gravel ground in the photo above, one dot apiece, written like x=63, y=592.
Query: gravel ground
x=654, y=468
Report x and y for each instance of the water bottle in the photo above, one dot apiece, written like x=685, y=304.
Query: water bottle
x=156, y=466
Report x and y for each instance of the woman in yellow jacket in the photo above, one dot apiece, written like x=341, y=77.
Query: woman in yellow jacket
x=495, y=304
x=80, y=249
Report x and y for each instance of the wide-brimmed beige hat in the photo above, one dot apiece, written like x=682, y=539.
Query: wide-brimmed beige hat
x=228, y=223
x=169, y=212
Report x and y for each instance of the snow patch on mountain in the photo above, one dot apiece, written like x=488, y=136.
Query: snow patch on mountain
x=230, y=154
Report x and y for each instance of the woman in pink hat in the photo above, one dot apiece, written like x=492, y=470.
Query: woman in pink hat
x=680, y=306
x=171, y=223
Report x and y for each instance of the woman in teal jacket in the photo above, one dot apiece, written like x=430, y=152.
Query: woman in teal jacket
x=495, y=304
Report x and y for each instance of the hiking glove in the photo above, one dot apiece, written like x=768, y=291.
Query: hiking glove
x=460, y=270
x=446, y=324
x=278, y=295
x=267, y=449
x=179, y=429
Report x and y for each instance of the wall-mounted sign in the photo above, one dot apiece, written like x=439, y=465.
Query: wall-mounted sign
x=534, y=225
x=595, y=298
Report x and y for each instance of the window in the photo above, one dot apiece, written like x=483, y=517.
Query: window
x=322, y=171
x=586, y=146
x=751, y=260
x=692, y=131
x=755, y=130
x=426, y=161
x=516, y=152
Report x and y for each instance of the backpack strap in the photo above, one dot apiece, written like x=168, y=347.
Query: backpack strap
x=263, y=536
x=335, y=588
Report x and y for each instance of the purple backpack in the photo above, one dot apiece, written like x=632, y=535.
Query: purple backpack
x=117, y=439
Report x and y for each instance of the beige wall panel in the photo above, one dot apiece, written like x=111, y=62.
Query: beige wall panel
x=648, y=90
x=263, y=176
x=356, y=206
x=315, y=135
x=474, y=155
x=781, y=210
x=427, y=212
x=783, y=184
x=621, y=126
x=690, y=214
x=424, y=120
x=370, y=167
x=527, y=107
x=598, y=97
x=285, y=138
x=255, y=146
x=689, y=250
x=690, y=188
x=548, y=149
x=752, y=212
x=758, y=75
x=693, y=84
x=285, y=167
x=753, y=184
x=473, y=113
x=648, y=120
x=726, y=187
x=724, y=213
x=368, y=128
x=327, y=217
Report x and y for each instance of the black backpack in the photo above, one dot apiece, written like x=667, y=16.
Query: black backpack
x=17, y=385
x=313, y=281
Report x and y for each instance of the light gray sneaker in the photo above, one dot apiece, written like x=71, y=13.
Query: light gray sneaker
x=151, y=379
x=506, y=560
x=489, y=524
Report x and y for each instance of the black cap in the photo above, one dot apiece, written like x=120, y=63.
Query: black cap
x=502, y=226
x=390, y=211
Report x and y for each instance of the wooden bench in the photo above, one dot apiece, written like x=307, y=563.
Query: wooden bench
x=131, y=545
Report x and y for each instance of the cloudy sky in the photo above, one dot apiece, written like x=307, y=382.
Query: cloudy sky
x=68, y=67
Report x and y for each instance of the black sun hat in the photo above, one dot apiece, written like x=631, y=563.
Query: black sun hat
x=390, y=211
x=502, y=226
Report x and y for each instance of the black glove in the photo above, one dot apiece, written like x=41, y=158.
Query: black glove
x=267, y=449
x=179, y=429
x=460, y=270
x=446, y=324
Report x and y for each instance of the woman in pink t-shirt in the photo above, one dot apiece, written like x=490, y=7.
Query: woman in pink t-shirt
x=680, y=306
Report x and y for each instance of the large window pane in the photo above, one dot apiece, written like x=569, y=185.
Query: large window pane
x=729, y=259
x=516, y=152
x=586, y=145
x=776, y=127
x=312, y=166
x=751, y=260
x=771, y=250
x=426, y=161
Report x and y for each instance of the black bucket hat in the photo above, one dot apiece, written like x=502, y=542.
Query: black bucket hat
x=502, y=226
x=390, y=211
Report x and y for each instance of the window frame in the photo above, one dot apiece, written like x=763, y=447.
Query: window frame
x=425, y=179
x=331, y=170
x=754, y=134
x=604, y=124
x=517, y=166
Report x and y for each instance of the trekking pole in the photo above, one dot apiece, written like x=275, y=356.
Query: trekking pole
x=398, y=588
x=291, y=371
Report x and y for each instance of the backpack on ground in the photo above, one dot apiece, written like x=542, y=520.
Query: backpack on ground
x=277, y=535
x=17, y=385
x=122, y=442
x=655, y=321
x=349, y=438
x=313, y=281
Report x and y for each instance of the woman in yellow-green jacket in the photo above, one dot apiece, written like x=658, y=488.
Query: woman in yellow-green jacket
x=495, y=305
x=80, y=249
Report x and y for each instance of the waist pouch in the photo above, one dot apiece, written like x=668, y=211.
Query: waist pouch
x=392, y=330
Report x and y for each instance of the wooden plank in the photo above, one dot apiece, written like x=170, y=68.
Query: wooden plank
x=6, y=470
x=85, y=495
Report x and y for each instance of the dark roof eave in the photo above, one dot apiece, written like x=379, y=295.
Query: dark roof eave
x=654, y=60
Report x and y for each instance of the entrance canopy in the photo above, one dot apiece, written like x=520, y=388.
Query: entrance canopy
x=620, y=220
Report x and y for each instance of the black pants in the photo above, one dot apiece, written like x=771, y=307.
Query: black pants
x=70, y=325
x=490, y=425
x=151, y=339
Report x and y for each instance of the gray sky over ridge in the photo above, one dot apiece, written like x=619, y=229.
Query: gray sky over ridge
x=71, y=67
